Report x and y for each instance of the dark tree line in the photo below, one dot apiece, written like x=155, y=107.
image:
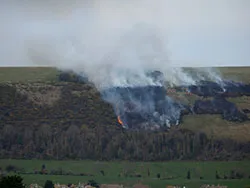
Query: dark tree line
x=107, y=143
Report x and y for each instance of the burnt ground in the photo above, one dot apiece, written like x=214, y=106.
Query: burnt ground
x=68, y=103
x=152, y=107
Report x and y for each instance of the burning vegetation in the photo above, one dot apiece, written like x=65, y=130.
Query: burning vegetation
x=151, y=107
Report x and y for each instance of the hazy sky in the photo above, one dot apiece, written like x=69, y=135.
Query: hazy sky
x=199, y=32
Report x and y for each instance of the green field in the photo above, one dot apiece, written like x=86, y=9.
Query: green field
x=41, y=74
x=27, y=74
x=172, y=173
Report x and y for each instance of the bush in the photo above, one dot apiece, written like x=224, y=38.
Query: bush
x=12, y=182
x=48, y=184
x=11, y=168
x=158, y=175
x=93, y=183
x=102, y=172
x=239, y=175
x=217, y=175
x=188, y=175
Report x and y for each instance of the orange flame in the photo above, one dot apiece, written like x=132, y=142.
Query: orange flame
x=119, y=120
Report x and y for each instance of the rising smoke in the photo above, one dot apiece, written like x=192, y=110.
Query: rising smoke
x=113, y=43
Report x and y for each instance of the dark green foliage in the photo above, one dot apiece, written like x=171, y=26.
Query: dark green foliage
x=239, y=175
x=217, y=175
x=48, y=184
x=12, y=182
x=43, y=167
x=148, y=172
x=158, y=175
x=102, y=172
x=189, y=175
x=93, y=183
x=11, y=168
x=232, y=174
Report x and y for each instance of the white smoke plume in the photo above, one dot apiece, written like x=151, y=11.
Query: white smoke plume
x=113, y=42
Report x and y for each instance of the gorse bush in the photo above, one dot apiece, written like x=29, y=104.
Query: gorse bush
x=11, y=168
x=189, y=175
x=93, y=183
x=12, y=182
x=48, y=184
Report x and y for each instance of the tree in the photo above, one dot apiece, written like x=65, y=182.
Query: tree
x=217, y=175
x=93, y=183
x=12, y=181
x=102, y=172
x=148, y=172
x=188, y=175
x=48, y=184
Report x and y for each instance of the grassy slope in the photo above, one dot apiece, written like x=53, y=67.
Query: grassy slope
x=27, y=74
x=213, y=125
x=112, y=169
x=33, y=74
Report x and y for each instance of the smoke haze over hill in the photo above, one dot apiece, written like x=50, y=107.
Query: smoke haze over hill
x=112, y=42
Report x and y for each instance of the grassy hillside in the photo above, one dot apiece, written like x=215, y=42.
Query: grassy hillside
x=171, y=173
x=34, y=74
x=212, y=125
x=43, y=118
x=27, y=74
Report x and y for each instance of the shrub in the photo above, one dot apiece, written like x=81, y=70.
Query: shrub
x=158, y=175
x=102, y=172
x=12, y=181
x=239, y=175
x=93, y=183
x=217, y=175
x=232, y=175
x=148, y=172
x=188, y=175
x=11, y=168
x=48, y=184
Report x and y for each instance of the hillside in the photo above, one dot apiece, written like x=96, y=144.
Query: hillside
x=44, y=118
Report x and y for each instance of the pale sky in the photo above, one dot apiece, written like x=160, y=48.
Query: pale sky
x=199, y=32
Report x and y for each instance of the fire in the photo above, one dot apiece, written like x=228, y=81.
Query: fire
x=119, y=120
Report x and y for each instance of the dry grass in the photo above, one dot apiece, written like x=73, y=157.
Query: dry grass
x=34, y=74
x=40, y=94
x=27, y=74
x=214, y=125
x=236, y=73
x=241, y=102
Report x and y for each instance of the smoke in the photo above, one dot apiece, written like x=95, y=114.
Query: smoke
x=113, y=43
